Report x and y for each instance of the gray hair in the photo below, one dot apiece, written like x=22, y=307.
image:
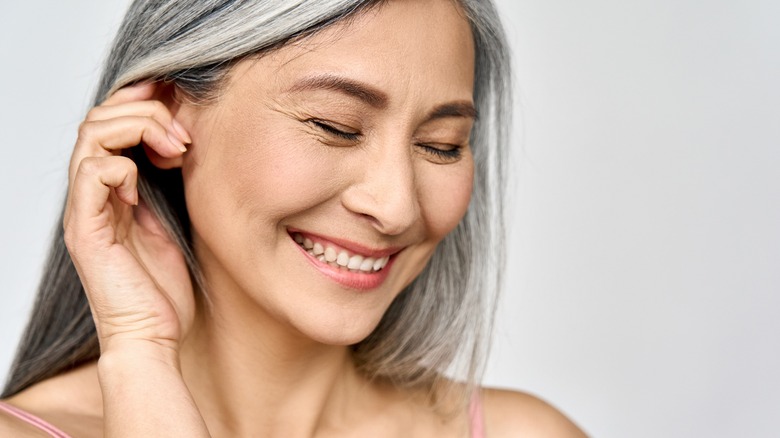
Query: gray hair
x=438, y=326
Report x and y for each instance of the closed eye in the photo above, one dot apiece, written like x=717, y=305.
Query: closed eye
x=330, y=129
x=445, y=153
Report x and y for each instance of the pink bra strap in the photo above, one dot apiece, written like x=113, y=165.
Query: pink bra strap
x=33, y=420
x=476, y=416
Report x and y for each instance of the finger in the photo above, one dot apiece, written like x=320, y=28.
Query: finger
x=104, y=138
x=147, y=108
x=139, y=91
x=93, y=182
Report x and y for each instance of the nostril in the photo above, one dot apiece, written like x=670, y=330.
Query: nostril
x=387, y=198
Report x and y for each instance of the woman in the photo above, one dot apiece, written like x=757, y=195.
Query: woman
x=282, y=220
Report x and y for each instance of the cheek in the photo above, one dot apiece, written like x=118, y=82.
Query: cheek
x=263, y=170
x=445, y=192
x=277, y=174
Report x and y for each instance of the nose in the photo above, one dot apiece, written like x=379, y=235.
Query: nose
x=385, y=191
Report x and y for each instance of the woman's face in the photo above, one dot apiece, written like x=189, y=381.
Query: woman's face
x=346, y=148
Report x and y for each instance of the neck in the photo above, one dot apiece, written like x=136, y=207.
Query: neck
x=251, y=375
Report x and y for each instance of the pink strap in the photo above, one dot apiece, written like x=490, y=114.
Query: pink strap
x=32, y=419
x=475, y=413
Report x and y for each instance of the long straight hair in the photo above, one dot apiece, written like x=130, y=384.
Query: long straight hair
x=438, y=326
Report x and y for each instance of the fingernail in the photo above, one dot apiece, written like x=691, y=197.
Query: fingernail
x=176, y=142
x=183, y=135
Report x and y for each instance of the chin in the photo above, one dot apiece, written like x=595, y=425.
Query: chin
x=341, y=331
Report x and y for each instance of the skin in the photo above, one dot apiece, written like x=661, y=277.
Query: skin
x=269, y=356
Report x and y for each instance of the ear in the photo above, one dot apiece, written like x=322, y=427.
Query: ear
x=166, y=93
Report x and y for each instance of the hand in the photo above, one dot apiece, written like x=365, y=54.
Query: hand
x=135, y=277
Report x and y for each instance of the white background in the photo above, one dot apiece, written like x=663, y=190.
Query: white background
x=643, y=295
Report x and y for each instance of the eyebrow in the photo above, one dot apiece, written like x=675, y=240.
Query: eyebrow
x=456, y=109
x=358, y=90
x=375, y=97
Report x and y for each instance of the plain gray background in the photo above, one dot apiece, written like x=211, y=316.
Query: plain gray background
x=644, y=256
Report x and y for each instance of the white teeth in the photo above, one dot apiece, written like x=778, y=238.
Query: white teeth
x=343, y=258
x=355, y=262
x=367, y=265
x=380, y=263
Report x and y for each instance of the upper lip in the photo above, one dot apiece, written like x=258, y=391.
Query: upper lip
x=353, y=247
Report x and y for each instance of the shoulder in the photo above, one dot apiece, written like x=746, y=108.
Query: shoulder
x=70, y=402
x=518, y=414
x=19, y=418
x=11, y=425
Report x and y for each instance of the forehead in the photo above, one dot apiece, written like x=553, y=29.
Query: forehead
x=407, y=48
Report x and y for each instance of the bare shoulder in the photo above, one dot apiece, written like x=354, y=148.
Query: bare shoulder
x=70, y=402
x=518, y=414
x=13, y=426
x=26, y=415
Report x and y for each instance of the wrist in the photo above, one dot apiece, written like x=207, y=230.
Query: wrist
x=144, y=392
x=137, y=354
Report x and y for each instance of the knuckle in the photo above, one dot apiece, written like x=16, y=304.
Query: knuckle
x=89, y=166
x=128, y=164
x=85, y=131
x=159, y=107
x=121, y=159
x=93, y=114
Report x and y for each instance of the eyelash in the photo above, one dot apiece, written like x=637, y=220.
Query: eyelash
x=446, y=154
x=334, y=131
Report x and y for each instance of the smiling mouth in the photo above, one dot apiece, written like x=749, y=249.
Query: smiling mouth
x=339, y=258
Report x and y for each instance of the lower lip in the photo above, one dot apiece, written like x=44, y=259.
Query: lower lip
x=349, y=279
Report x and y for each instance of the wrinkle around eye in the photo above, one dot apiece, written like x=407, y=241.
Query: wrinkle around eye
x=316, y=130
x=330, y=111
x=327, y=129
